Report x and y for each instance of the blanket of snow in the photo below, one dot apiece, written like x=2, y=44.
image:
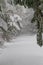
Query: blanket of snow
x=22, y=51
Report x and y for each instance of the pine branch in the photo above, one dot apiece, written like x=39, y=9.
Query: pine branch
x=3, y=29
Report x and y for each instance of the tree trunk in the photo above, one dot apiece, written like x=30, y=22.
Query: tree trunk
x=39, y=33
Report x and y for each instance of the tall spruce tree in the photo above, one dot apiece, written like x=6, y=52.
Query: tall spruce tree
x=38, y=15
x=11, y=30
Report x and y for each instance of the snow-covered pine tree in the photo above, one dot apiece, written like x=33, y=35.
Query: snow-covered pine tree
x=9, y=25
x=38, y=15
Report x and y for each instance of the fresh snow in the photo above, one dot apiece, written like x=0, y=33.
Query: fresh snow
x=14, y=19
x=22, y=51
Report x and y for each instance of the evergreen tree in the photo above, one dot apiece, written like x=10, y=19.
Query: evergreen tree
x=11, y=30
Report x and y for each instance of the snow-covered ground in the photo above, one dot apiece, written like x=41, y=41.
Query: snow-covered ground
x=22, y=51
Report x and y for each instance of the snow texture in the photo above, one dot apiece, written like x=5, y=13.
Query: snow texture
x=22, y=51
x=16, y=18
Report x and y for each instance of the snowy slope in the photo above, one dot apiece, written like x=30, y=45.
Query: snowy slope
x=22, y=51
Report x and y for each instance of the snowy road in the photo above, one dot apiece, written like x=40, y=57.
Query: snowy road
x=22, y=51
